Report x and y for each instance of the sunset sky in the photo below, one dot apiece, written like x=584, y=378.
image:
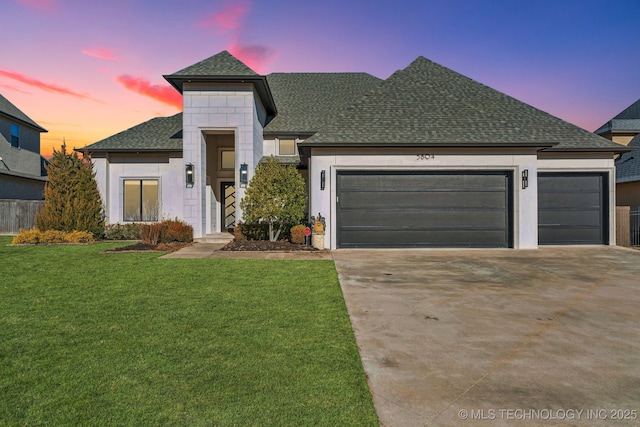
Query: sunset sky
x=85, y=70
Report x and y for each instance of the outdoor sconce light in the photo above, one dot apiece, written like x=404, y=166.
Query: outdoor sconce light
x=244, y=175
x=525, y=178
x=322, y=179
x=190, y=179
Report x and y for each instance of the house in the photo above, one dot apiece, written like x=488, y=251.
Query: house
x=21, y=166
x=425, y=158
x=625, y=129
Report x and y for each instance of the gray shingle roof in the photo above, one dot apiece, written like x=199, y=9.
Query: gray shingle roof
x=628, y=164
x=8, y=109
x=157, y=134
x=627, y=120
x=309, y=101
x=221, y=64
x=429, y=104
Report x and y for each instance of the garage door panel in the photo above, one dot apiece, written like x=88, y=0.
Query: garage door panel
x=416, y=182
x=571, y=218
x=421, y=200
x=572, y=208
x=455, y=238
x=420, y=219
x=439, y=209
x=561, y=235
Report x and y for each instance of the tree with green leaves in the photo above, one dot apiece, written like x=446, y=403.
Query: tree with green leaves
x=276, y=196
x=71, y=197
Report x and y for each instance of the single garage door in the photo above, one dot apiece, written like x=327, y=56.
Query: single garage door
x=572, y=209
x=424, y=209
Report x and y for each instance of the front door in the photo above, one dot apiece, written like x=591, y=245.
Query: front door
x=228, y=191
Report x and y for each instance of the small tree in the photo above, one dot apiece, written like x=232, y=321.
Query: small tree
x=276, y=196
x=71, y=197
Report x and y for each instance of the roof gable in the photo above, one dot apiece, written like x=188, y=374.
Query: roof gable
x=8, y=109
x=221, y=64
x=429, y=104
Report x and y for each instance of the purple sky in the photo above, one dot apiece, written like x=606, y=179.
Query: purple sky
x=88, y=69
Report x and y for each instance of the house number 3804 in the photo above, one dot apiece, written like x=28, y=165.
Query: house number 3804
x=425, y=156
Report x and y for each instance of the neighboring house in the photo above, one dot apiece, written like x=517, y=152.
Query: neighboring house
x=21, y=174
x=628, y=176
x=625, y=129
x=425, y=158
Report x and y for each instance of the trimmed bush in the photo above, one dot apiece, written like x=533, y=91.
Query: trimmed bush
x=128, y=231
x=35, y=236
x=175, y=230
x=297, y=234
x=150, y=233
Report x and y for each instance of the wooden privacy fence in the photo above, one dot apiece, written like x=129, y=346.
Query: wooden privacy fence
x=17, y=214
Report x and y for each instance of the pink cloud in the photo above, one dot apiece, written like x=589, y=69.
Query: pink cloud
x=101, y=53
x=162, y=93
x=38, y=4
x=49, y=87
x=15, y=89
x=228, y=19
x=254, y=56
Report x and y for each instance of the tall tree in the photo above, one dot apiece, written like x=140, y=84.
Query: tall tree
x=71, y=197
x=276, y=196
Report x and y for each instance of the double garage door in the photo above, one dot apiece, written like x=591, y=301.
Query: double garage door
x=463, y=209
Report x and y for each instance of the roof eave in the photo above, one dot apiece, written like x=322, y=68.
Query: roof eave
x=33, y=125
x=259, y=82
x=429, y=144
x=621, y=149
x=127, y=150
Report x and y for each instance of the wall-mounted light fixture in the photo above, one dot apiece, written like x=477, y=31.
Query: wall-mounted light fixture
x=189, y=175
x=244, y=175
x=525, y=178
x=322, y=179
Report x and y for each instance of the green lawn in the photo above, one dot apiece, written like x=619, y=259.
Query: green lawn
x=131, y=339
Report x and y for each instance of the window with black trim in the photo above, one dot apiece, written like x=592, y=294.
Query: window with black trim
x=141, y=200
x=15, y=136
x=227, y=160
x=286, y=147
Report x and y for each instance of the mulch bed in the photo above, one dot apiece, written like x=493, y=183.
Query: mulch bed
x=265, y=245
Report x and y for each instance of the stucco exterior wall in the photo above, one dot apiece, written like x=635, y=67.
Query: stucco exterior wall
x=112, y=170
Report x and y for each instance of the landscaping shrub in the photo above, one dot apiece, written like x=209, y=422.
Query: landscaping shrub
x=150, y=233
x=53, y=236
x=35, y=236
x=128, y=231
x=175, y=230
x=297, y=234
x=237, y=232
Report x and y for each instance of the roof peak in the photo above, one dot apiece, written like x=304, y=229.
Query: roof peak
x=220, y=64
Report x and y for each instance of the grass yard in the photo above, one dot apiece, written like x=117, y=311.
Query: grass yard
x=131, y=339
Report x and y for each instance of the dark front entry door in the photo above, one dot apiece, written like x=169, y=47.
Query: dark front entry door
x=228, y=203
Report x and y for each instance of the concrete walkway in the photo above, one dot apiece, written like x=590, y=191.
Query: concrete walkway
x=498, y=337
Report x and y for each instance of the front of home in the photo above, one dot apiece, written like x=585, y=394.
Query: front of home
x=425, y=158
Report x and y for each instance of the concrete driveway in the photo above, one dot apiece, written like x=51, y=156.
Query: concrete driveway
x=498, y=337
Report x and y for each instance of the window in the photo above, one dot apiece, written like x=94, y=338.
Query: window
x=286, y=147
x=227, y=160
x=15, y=136
x=141, y=200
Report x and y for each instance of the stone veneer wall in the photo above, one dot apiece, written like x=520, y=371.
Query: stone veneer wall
x=218, y=106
